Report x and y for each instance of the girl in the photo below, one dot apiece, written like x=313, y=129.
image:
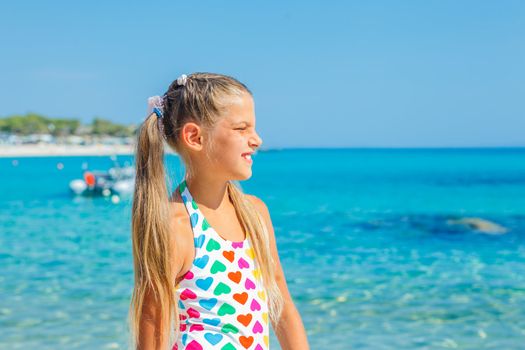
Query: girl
x=205, y=257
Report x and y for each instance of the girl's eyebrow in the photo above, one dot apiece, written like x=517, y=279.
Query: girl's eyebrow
x=241, y=122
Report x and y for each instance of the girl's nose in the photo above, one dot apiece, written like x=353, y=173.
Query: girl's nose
x=256, y=140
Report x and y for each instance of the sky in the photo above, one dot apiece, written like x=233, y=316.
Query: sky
x=323, y=73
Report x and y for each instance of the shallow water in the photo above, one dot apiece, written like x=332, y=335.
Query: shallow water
x=370, y=258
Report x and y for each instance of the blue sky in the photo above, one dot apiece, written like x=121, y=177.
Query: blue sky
x=324, y=74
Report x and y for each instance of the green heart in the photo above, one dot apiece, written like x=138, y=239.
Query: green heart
x=221, y=289
x=212, y=245
x=182, y=186
x=205, y=224
x=228, y=327
x=226, y=309
x=193, y=204
x=217, y=266
x=228, y=346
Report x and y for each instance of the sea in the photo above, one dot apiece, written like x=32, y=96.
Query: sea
x=381, y=248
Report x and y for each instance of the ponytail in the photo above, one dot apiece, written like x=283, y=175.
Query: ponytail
x=152, y=248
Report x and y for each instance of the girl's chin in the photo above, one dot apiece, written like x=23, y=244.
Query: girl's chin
x=245, y=175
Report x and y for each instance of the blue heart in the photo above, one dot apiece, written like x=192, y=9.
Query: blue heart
x=204, y=283
x=212, y=321
x=184, y=339
x=194, y=219
x=199, y=241
x=181, y=305
x=208, y=304
x=213, y=338
x=202, y=261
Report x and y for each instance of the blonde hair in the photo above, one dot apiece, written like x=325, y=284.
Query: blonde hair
x=203, y=100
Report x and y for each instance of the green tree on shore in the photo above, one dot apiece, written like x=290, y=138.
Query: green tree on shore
x=33, y=123
x=30, y=123
x=105, y=127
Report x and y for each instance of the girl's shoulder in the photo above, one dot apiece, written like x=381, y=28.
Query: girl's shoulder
x=181, y=235
x=178, y=215
x=259, y=204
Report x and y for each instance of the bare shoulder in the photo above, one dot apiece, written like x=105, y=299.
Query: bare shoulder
x=182, y=236
x=180, y=221
x=259, y=205
x=178, y=218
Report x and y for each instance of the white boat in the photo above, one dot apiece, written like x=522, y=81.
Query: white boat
x=115, y=181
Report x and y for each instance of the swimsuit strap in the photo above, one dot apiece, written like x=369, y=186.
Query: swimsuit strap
x=192, y=209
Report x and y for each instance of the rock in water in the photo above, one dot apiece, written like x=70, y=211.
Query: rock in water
x=481, y=225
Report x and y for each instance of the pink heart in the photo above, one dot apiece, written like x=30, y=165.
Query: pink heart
x=188, y=275
x=257, y=328
x=187, y=294
x=175, y=347
x=258, y=347
x=182, y=327
x=255, y=305
x=196, y=327
x=193, y=313
x=193, y=345
x=243, y=264
x=249, y=284
x=237, y=244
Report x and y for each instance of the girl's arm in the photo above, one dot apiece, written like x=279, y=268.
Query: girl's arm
x=150, y=337
x=290, y=329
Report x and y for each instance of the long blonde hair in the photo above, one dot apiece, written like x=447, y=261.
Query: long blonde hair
x=202, y=99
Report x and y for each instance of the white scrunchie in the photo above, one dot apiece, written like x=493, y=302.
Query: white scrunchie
x=182, y=79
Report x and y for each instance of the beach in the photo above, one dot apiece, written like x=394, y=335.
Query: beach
x=46, y=150
x=50, y=150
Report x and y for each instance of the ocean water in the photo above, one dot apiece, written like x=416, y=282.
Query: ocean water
x=366, y=237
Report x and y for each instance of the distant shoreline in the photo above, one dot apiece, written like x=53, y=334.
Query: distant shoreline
x=43, y=150
x=50, y=150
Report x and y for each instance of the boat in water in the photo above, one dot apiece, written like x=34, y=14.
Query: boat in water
x=118, y=180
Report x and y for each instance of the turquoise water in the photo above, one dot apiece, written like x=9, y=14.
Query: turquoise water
x=363, y=237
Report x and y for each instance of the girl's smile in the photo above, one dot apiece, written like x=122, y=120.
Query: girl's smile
x=248, y=157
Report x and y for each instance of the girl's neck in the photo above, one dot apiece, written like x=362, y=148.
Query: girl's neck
x=209, y=193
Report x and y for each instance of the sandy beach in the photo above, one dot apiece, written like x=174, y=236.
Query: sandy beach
x=45, y=150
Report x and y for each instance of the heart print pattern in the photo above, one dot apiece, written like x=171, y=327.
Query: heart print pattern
x=222, y=302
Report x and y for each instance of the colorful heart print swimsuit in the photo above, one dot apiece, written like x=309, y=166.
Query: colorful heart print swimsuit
x=222, y=301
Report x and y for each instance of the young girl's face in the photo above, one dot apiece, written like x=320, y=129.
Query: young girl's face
x=234, y=137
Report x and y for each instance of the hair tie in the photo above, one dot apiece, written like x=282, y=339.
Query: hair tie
x=182, y=79
x=156, y=105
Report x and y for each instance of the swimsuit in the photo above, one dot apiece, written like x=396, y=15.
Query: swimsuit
x=222, y=302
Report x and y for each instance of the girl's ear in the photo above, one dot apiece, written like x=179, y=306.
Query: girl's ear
x=192, y=136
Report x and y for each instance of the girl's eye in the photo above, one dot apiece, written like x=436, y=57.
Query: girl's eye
x=240, y=129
